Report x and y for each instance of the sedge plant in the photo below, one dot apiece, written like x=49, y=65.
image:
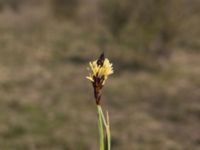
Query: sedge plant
x=100, y=69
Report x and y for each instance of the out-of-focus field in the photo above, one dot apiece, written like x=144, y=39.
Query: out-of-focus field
x=47, y=104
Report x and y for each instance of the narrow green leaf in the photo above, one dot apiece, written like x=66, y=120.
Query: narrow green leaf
x=100, y=126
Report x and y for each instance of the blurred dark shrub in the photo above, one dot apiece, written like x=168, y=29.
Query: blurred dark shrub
x=13, y=4
x=154, y=23
x=150, y=23
x=116, y=14
x=64, y=9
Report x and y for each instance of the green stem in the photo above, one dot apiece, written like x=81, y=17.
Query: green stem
x=108, y=133
x=106, y=123
x=100, y=126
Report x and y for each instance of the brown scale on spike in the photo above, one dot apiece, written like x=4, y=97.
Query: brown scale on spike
x=101, y=59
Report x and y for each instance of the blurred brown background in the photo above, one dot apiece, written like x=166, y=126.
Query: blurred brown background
x=153, y=98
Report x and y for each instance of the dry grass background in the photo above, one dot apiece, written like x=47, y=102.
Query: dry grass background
x=47, y=104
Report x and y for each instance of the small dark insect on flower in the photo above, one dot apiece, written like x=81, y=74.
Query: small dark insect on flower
x=101, y=59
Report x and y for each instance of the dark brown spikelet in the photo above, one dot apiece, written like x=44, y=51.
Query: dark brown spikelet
x=101, y=59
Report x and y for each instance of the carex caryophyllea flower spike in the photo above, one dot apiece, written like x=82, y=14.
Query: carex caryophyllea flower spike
x=100, y=70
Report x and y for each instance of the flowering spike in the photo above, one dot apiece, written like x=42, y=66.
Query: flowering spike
x=100, y=70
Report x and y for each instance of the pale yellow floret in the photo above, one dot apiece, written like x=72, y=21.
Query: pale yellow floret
x=90, y=78
x=100, y=71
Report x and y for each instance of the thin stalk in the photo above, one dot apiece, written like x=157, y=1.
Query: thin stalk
x=107, y=127
x=108, y=132
x=100, y=126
